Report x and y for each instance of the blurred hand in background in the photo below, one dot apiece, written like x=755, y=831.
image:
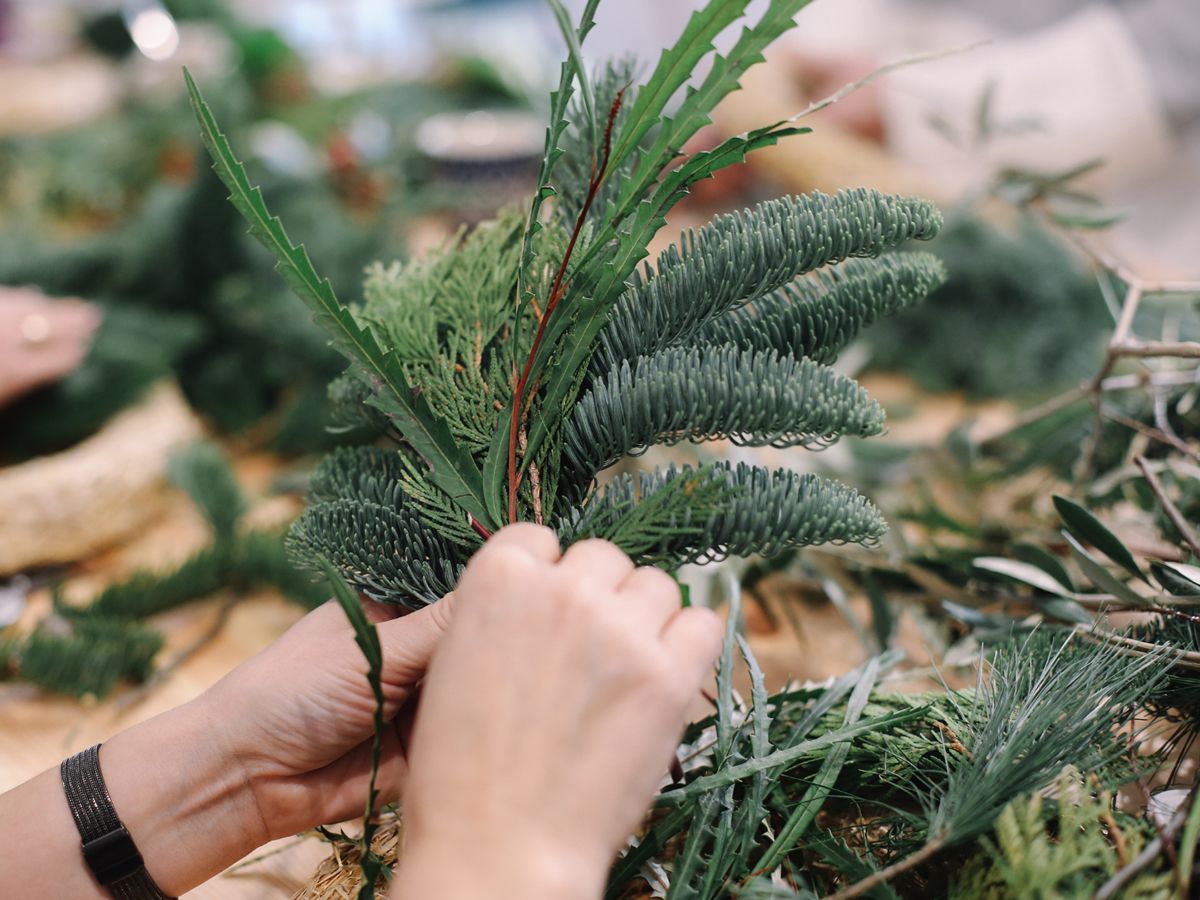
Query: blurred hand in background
x=41, y=340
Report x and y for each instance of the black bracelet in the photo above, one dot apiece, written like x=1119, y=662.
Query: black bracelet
x=108, y=849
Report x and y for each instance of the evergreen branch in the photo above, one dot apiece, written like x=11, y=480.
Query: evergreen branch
x=360, y=473
x=735, y=511
x=556, y=295
x=1048, y=702
x=388, y=554
x=817, y=317
x=740, y=257
x=451, y=467
x=586, y=319
x=202, y=470
x=752, y=397
x=147, y=593
x=88, y=659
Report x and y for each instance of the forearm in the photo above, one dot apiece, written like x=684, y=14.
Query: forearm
x=184, y=802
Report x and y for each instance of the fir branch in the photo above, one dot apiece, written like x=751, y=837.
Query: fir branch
x=202, y=470
x=740, y=257
x=817, y=317
x=389, y=554
x=752, y=397
x=87, y=656
x=360, y=473
x=601, y=283
x=755, y=511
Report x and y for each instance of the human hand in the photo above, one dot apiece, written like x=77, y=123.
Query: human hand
x=298, y=719
x=550, y=714
x=41, y=340
x=279, y=745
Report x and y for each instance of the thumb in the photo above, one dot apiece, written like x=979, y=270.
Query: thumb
x=409, y=642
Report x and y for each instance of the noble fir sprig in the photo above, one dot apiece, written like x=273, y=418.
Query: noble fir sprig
x=510, y=369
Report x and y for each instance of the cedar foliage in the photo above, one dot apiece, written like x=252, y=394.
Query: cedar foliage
x=509, y=370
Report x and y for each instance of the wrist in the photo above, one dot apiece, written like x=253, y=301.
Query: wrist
x=184, y=800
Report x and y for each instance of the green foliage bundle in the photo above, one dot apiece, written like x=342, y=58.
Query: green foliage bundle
x=511, y=369
x=88, y=650
x=819, y=786
x=507, y=373
x=1068, y=848
x=1019, y=314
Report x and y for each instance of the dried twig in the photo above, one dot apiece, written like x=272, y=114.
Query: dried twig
x=1172, y=511
x=1149, y=853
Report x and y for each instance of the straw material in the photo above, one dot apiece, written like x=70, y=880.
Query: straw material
x=339, y=877
x=66, y=506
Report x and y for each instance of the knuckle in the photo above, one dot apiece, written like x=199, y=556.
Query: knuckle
x=658, y=583
x=528, y=531
x=707, y=621
x=596, y=550
x=503, y=564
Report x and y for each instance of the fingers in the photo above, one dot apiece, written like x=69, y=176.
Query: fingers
x=536, y=540
x=600, y=563
x=650, y=597
x=408, y=642
x=693, y=637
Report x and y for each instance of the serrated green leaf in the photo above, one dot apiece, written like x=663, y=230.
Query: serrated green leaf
x=722, y=79
x=451, y=467
x=675, y=67
x=572, y=38
x=563, y=373
x=1086, y=527
x=366, y=636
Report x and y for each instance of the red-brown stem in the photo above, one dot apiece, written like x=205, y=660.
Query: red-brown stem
x=556, y=292
x=478, y=527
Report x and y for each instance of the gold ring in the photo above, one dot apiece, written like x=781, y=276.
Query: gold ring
x=35, y=329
